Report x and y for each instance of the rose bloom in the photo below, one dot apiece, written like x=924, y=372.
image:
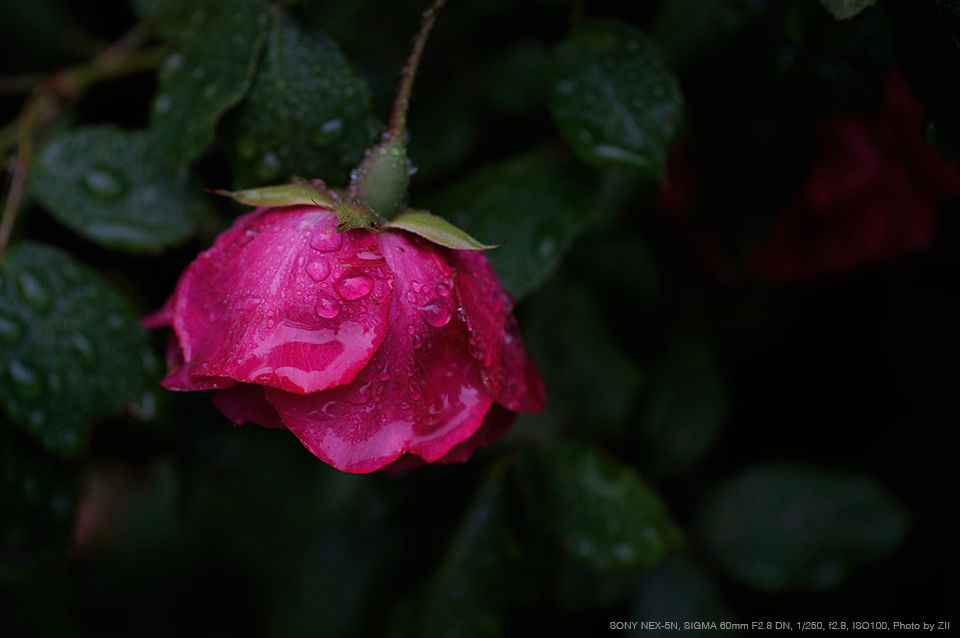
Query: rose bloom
x=377, y=350
x=871, y=196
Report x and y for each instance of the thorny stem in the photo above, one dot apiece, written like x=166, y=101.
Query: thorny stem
x=47, y=98
x=398, y=118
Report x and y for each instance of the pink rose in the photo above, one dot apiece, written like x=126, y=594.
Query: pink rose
x=377, y=350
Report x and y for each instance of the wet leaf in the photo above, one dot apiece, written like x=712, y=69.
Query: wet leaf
x=115, y=188
x=436, y=229
x=688, y=28
x=308, y=113
x=603, y=512
x=678, y=588
x=846, y=9
x=782, y=526
x=615, y=98
x=71, y=351
x=209, y=73
x=531, y=202
x=465, y=595
x=685, y=409
x=171, y=16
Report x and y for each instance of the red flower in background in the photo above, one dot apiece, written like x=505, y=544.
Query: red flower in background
x=872, y=195
x=375, y=350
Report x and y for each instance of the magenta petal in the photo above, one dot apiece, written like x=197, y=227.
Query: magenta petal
x=421, y=394
x=160, y=318
x=246, y=402
x=523, y=389
x=283, y=300
x=179, y=376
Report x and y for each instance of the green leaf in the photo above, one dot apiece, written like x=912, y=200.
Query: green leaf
x=532, y=202
x=285, y=195
x=209, y=73
x=781, y=526
x=114, y=187
x=603, y=512
x=846, y=9
x=436, y=229
x=465, y=595
x=71, y=351
x=615, y=98
x=308, y=113
x=678, y=588
x=685, y=409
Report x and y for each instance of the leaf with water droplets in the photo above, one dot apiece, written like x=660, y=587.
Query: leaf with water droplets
x=437, y=229
x=307, y=114
x=532, y=202
x=73, y=359
x=467, y=592
x=603, y=512
x=115, y=188
x=614, y=97
x=284, y=195
x=171, y=16
x=209, y=73
x=782, y=526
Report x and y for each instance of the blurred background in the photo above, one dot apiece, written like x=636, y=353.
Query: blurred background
x=732, y=236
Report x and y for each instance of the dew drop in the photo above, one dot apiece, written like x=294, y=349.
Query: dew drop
x=162, y=105
x=443, y=290
x=103, y=184
x=412, y=298
x=328, y=308
x=328, y=133
x=26, y=381
x=269, y=166
x=360, y=394
x=404, y=405
x=318, y=270
x=37, y=418
x=326, y=239
x=10, y=329
x=270, y=323
x=33, y=291
x=84, y=348
x=198, y=73
x=173, y=63
x=384, y=375
x=353, y=288
x=585, y=136
x=436, y=313
x=411, y=329
x=415, y=394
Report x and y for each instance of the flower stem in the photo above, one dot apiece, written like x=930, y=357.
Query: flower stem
x=398, y=117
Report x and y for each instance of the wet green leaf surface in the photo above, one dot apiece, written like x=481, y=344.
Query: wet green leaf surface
x=210, y=72
x=115, y=188
x=782, y=526
x=603, y=512
x=70, y=349
x=531, y=202
x=308, y=113
x=615, y=98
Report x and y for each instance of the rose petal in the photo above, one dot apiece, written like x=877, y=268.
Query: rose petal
x=523, y=389
x=246, y=402
x=482, y=299
x=283, y=300
x=179, y=377
x=495, y=425
x=421, y=393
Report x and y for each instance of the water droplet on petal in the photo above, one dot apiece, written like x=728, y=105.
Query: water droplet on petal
x=360, y=394
x=411, y=329
x=318, y=270
x=270, y=323
x=436, y=312
x=443, y=290
x=326, y=238
x=384, y=375
x=404, y=405
x=412, y=298
x=328, y=308
x=415, y=394
x=353, y=288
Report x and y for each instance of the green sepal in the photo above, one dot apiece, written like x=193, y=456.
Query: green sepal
x=381, y=180
x=351, y=215
x=285, y=195
x=846, y=9
x=438, y=230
